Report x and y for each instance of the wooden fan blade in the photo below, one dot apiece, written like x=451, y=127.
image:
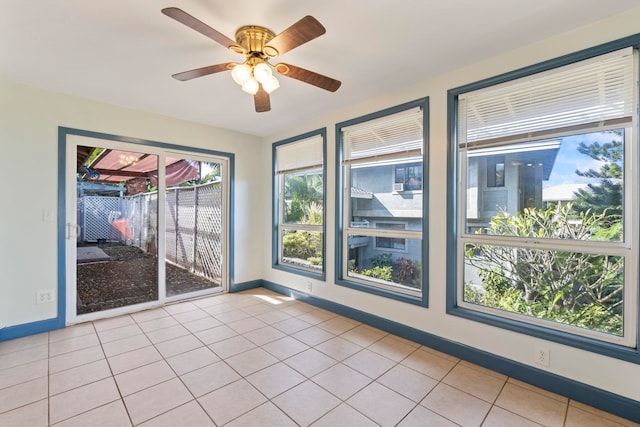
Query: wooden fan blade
x=204, y=71
x=262, y=100
x=313, y=78
x=195, y=24
x=308, y=28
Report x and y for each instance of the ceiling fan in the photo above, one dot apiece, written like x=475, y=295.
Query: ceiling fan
x=258, y=45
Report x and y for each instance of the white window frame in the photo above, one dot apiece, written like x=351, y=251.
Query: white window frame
x=627, y=248
x=385, y=249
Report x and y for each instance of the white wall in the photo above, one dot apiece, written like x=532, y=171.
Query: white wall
x=597, y=370
x=29, y=121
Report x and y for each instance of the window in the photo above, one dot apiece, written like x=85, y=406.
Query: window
x=381, y=247
x=548, y=239
x=392, y=243
x=299, y=203
x=408, y=177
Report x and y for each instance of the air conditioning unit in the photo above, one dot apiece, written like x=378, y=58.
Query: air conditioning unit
x=398, y=187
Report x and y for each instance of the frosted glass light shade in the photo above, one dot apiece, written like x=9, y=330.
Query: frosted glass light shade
x=241, y=73
x=251, y=86
x=262, y=72
x=271, y=84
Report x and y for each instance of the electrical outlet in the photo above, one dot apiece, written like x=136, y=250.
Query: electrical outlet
x=309, y=287
x=541, y=356
x=44, y=297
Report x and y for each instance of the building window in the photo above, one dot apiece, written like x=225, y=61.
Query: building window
x=381, y=247
x=554, y=248
x=299, y=190
x=408, y=177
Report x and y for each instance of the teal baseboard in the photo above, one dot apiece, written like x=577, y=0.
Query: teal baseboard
x=244, y=286
x=589, y=395
x=32, y=328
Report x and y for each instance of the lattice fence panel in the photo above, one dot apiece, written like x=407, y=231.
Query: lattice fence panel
x=209, y=232
x=171, y=225
x=99, y=213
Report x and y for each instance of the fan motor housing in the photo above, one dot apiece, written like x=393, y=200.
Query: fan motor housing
x=252, y=39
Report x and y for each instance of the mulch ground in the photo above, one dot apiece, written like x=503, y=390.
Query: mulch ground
x=129, y=277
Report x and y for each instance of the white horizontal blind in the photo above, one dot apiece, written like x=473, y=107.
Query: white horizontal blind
x=589, y=92
x=302, y=155
x=396, y=136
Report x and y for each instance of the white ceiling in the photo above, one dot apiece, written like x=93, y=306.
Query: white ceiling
x=123, y=52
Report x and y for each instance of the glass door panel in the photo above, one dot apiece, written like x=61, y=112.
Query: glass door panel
x=116, y=238
x=194, y=213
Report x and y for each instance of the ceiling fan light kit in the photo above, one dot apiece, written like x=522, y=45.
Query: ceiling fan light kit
x=258, y=45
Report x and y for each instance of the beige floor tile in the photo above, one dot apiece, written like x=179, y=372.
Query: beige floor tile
x=577, y=417
x=113, y=322
x=265, y=415
x=119, y=333
x=24, y=343
x=407, y=382
x=73, y=344
x=20, y=357
x=210, y=378
x=364, y=335
x=456, y=405
x=158, y=323
x=246, y=325
x=440, y=354
x=232, y=316
x=166, y=334
x=190, y=316
x=498, y=417
x=23, y=373
x=143, y=377
x=429, y=364
x=212, y=335
x=538, y=390
x=78, y=376
x=188, y=415
x=264, y=335
x=316, y=316
x=125, y=345
x=382, y=405
x=275, y=379
x=202, y=324
x=110, y=415
x=313, y=335
x=306, y=403
x=33, y=415
x=180, y=307
x=338, y=348
x=156, y=400
x=310, y=362
x=231, y=346
x=532, y=405
x=292, y=325
x=477, y=383
x=72, y=332
x=192, y=360
x=251, y=361
x=133, y=359
x=341, y=381
x=178, y=345
x=344, y=415
x=483, y=370
x=231, y=401
x=285, y=347
x=82, y=399
x=23, y=394
x=258, y=309
x=215, y=310
x=393, y=348
x=422, y=417
x=603, y=414
x=152, y=314
x=297, y=308
x=271, y=317
x=369, y=363
x=76, y=358
x=338, y=325
x=208, y=301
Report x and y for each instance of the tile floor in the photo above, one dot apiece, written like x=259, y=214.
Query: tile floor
x=258, y=359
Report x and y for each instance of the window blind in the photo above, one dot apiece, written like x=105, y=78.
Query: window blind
x=299, y=156
x=396, y=136
x=594, y=92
